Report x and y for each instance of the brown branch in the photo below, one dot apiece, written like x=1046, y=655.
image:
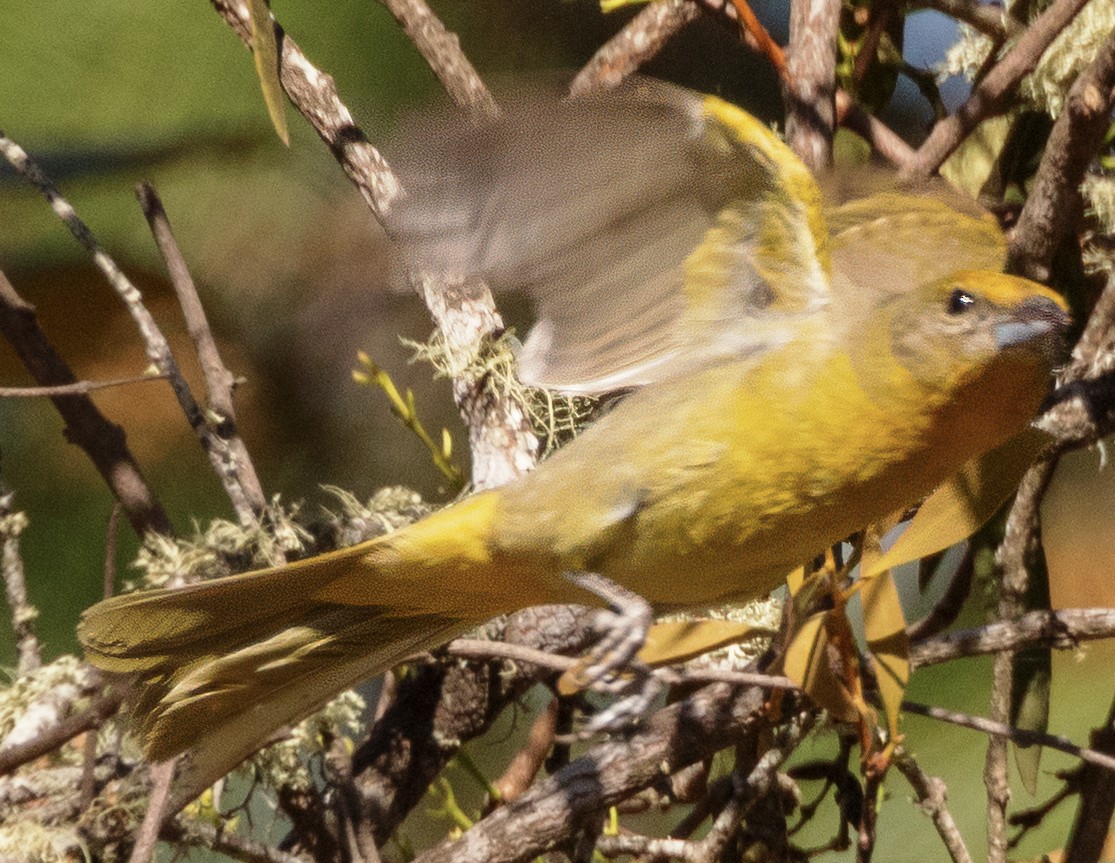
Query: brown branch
x=883, y=140
x=526, y=763
x=155, y=343
x=162, y=775
x=221, y=436
x=1055, y=207
x=636, y=43
x=1021, y=736
x=1064, y=630
x=201, y=835
x=86, y=427
x=442, y=52
x=103, y=706
x=811, y=81
x=75, y=389
x=1092, y=825
x=576, y=796
x=440, y=707
x=932, y=798
x=995, y=92
x=987, y=19
x=24, y=614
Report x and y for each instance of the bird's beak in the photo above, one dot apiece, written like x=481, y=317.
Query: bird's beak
x=1035, y=318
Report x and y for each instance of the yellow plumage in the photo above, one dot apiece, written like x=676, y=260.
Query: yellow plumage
x=789, y=397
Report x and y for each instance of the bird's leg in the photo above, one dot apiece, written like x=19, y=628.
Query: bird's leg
x=612, y=666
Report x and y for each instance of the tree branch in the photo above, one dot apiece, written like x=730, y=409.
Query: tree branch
x=994, y=93
x=86, y=427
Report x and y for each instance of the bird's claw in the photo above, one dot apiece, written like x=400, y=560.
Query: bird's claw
x=611, y=666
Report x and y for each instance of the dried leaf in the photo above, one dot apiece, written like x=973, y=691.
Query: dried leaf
x=885, y=627
x=962, y=505
x=679, y=640
x=808, y=664
x=266, y=54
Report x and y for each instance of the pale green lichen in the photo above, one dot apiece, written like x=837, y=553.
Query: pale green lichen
x=555, y=417
x=32, y=842
x=288, y=763
x=1099, y=196
x=49, y=688
x=1070, y=53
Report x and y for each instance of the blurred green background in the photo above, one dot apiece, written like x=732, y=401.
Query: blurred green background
x=296, y=277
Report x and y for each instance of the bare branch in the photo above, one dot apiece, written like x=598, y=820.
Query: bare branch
x=156, y=344
x=221, y=435
x=994, y=93
x=1065, y=630
x=985, y=18
x=103, y=706
x=103, y=441
x=201, y=835
x=639, y=41
x=1021, y=736
x=162, y=775
x=811, y=82
x=442, y=52
x=578, y=794
x=74, y=389
x=1054, y=207
x=932, y=797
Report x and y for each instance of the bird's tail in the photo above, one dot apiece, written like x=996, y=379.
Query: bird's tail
x=219, y=666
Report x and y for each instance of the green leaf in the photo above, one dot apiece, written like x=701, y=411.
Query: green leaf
x=266, y=54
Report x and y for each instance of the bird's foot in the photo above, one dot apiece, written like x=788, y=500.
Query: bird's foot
x=611, y=666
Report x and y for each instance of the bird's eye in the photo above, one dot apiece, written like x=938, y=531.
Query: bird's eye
x=960, y=301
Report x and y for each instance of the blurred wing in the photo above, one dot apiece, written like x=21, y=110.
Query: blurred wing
x=656, y=229
x=887, y=238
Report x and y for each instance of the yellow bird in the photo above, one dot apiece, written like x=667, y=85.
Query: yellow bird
x=801, y=367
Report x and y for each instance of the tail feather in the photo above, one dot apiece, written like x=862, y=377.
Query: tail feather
x=220, y=665
x=224, y=709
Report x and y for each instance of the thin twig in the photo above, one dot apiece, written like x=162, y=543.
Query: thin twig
x=635, y=44
x=155, y=343
x=994, y=93
x=1002, y=731
x=222, y=437
x=74, y=389
x=441, y=50
x=932, y=798
x=1054, y=207
x=86, y=427
x=526, y=763
x=24, y=614
x=162, y=775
